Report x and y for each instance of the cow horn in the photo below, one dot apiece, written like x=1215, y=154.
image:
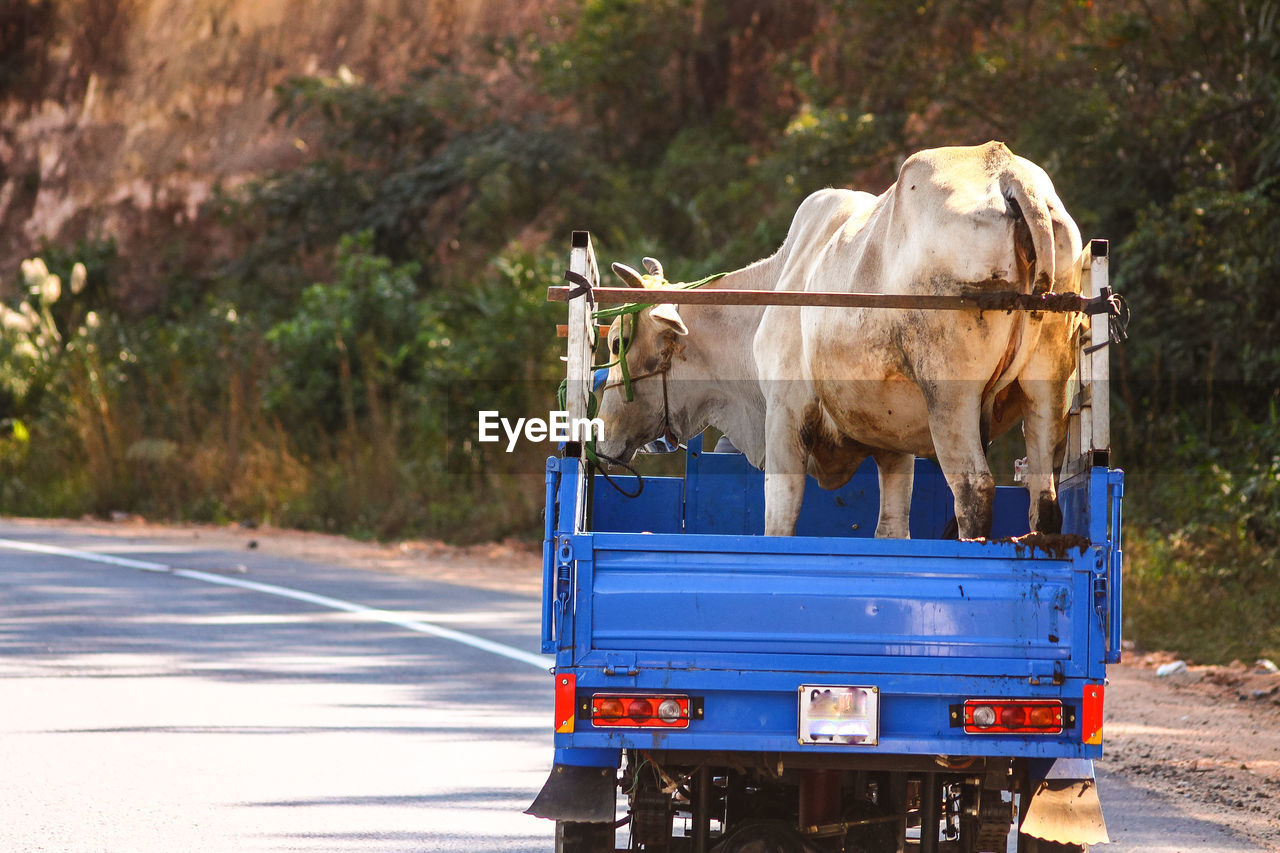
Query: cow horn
x=654, y=266
x=629, y=276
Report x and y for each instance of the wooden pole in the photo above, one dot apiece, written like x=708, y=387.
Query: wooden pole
x=1099, y=352
x=1005, y=300
x=582, y=260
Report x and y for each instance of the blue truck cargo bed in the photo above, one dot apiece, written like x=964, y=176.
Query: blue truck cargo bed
x=827, y=691
x=674, y=590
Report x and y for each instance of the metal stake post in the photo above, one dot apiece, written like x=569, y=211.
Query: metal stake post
x=582, y=260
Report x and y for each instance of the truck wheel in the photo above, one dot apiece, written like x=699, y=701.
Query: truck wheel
x=584, y=837
x=764, y=836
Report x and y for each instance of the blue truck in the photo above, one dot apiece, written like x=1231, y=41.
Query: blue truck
x=722, y=691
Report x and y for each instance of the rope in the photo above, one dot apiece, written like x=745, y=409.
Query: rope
x=620, y=464
x=589, y=446
x=629, y=309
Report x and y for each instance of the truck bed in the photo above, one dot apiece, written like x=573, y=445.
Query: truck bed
x=677, y=590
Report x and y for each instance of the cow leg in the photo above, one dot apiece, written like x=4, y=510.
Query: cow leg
x=1044, y=516
x=1044, y=383
x=955, y=423
x=1045, y=429
x=782, y=497
x=785, y=466
x=897, y=476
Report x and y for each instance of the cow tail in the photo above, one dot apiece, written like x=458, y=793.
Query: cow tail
x=1033, y=209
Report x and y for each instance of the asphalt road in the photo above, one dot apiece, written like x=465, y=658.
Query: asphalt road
x=142, y=711
x=299, y=707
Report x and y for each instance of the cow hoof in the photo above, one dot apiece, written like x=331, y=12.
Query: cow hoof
x=1049, y=516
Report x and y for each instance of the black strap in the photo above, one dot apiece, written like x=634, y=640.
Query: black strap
x=1118, y=315
x=583, y=286
x=620, y=464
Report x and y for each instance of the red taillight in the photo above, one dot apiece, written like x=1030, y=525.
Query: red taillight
x=670, y=712
x=1015, y=716
x=640, y=709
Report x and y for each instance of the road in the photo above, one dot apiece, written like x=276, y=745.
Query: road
x=256, y=702
x=150, y=712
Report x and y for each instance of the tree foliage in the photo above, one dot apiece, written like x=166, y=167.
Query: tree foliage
x=388, y=285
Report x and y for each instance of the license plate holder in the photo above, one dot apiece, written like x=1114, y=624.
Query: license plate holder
x=839, y=715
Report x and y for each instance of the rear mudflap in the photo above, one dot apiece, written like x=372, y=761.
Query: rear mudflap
x=1063, y=805
x=578, y=794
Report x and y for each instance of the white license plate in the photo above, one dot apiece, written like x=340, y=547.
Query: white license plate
x=847, y=715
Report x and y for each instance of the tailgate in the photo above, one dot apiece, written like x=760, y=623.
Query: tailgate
x=808, y=604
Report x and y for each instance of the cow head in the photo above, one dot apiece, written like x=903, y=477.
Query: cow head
x=638, y=404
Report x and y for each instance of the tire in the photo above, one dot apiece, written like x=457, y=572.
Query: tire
x=764, y=836
x=584, y=837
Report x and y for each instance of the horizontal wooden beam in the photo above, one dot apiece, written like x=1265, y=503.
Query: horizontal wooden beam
x=562, y=330
x=1008, y=300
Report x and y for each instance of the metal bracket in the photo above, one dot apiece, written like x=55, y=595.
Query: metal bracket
x=564, y=584
x=620, y=663
x=1047, y=672
x=1100, y=590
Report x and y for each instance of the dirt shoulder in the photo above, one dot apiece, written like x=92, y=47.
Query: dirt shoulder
x=1208, y=737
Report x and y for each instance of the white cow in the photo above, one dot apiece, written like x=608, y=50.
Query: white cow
x=820, y=389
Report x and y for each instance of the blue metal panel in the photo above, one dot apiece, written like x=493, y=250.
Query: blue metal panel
x=726, y=496
x=754, y=740
x=657, y=509
x=1116, y=571
x=742, y=619
x=1010, y=512
x=1115, y=608
x=1083, y=502
x=892, y=605
x=548, y=556
x=757, y=711
x=588, y=757
x=1073, y=499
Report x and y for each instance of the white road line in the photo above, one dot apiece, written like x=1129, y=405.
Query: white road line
x=374, y=614
x=370, y=613
x=35, y=547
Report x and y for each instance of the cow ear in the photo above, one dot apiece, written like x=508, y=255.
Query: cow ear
x=629, y=276
x=654, y=266
x=667, y=315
